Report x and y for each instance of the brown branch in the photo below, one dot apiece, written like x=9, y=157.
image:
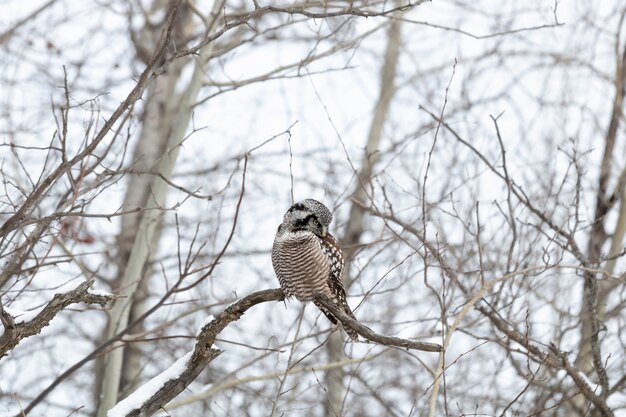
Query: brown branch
x=589, y=393
x=203, y=353
x=14, y=332
x=369, y=334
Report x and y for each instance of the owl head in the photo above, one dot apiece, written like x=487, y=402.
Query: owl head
x=309, y=215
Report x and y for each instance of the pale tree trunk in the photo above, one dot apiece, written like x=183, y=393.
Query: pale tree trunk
x=606, y=286
x=596, y=291
x=334, y=378
x=152, y=189
x=160, y=104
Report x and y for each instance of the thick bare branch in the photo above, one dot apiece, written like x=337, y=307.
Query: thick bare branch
x=202, y=354
x=589, y=393
x=15, y=332
x=369, y=334
x=593, y=297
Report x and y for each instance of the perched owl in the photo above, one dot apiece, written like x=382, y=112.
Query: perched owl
x=307, y=259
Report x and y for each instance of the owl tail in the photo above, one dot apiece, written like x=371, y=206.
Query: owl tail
x=346, y=308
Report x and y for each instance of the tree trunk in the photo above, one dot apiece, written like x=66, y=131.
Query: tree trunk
x=596, y=292
x=147, y=230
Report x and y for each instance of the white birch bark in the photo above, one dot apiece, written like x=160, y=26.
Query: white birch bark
x=146, y=232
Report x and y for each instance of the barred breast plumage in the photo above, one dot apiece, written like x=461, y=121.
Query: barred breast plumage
x=308, y=260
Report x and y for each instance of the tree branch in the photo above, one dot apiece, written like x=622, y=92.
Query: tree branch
x=15, y=332
x=589, y=393
x=554, y=358
x=154, y=395
x=39, y=192
x=201, y=356
x=369, y=334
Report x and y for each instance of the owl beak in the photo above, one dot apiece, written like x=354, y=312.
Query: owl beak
x=323, y=232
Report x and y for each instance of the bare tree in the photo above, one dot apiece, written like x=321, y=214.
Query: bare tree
x=471, y=153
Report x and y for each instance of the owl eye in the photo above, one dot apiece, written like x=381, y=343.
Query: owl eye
x=314, y=222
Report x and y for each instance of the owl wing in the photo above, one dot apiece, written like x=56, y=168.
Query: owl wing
x=336, y=264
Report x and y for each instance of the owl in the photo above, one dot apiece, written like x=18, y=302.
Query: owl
x=308, y=260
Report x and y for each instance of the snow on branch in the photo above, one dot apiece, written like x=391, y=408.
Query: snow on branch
x=152, y=396
x=18, y=328
x=149, y=389
x=161, y=389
